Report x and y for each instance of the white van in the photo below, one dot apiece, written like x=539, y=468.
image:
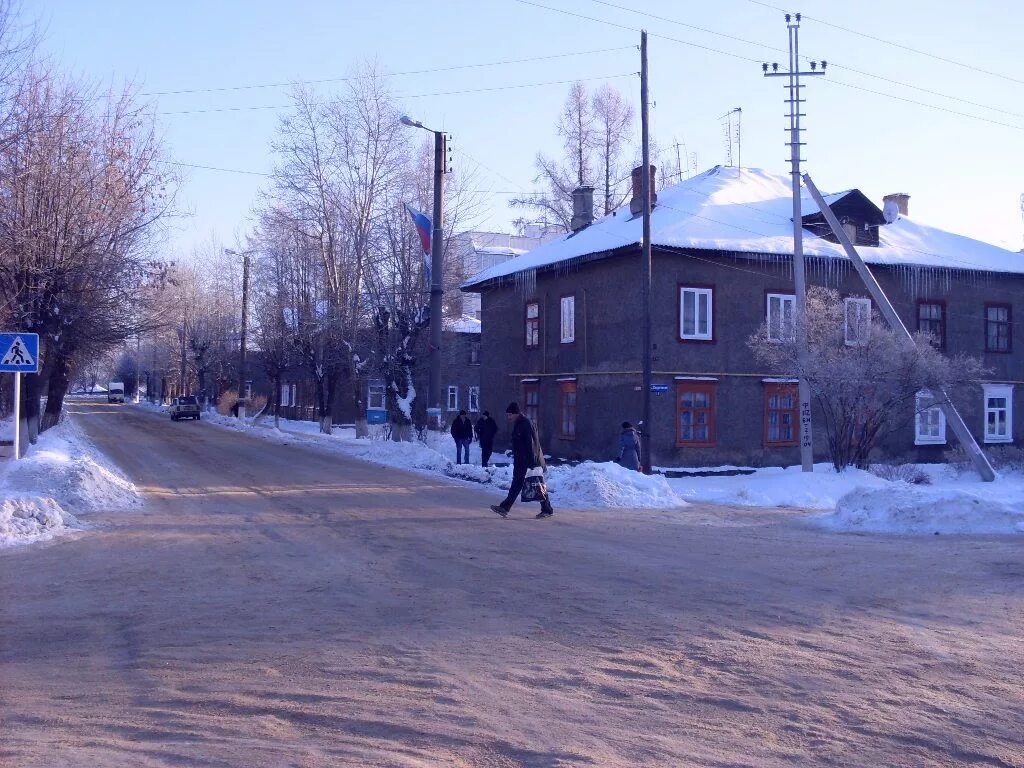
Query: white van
x=115, y=392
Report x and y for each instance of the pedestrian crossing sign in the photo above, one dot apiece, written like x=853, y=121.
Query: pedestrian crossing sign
x=20, y=353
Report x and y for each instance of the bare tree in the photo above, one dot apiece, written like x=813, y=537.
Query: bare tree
x=79, y=215
x=595, y=137
x=613, y=118
x=863, y=377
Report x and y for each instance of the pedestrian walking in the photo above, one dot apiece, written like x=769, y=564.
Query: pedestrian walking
x=486, y=429
x=462, y=432
x=629, y=447
x=526, y=454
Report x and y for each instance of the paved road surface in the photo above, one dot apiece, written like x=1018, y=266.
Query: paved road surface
x=276, y=606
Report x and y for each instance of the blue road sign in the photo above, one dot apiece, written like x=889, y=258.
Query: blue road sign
x=659, y=387
x=19, y=353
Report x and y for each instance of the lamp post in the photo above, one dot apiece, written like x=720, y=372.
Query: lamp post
x=436, y=266
x=241, y=351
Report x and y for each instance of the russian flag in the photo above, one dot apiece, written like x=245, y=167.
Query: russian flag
x=423, y=226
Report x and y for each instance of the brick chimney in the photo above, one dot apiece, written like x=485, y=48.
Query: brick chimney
x=902, y=200
x=636, y=205
x=582, y=208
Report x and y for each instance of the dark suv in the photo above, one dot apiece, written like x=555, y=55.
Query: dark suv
x=186, y=407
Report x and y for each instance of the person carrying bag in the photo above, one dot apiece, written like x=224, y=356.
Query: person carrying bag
x=527, y=457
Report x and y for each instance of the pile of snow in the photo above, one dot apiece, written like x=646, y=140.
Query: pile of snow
x=909, y=509
x=64, y=475
x=609, y=485
x=788, y=487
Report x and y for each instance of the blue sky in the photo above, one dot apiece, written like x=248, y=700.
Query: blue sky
x=963, y=174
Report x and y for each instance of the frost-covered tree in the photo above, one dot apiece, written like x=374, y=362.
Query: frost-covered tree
x=863, y=376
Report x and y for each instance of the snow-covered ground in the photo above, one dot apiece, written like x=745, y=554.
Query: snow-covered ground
x=851, y=501
x=62, y=477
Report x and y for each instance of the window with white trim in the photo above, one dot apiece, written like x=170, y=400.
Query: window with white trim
x=858, y=321
x=999, y=413
x=532, y=324
x=929, y=421
x=695, y=318
x=375, y=395
x=568, y=319
x=285, y=391
x=474, y=399
x=780, y=313
x=453, y=397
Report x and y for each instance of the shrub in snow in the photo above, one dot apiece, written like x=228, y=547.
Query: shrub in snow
x=863, y=375
x=226, y=402
x=901, y=473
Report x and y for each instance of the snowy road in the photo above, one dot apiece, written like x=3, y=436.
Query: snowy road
x=276, y=606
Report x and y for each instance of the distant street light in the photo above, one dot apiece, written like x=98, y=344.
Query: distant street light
x=436, y=267
x=241, y=354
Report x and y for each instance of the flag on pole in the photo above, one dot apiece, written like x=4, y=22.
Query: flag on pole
x=424, y=228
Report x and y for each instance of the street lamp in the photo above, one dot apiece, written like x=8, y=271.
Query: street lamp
x=241, y=353
x=436, y=268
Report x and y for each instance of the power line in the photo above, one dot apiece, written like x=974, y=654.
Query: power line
x=635, y=29
x=894, y=44
x=831, y=62
x=746, y=58
x=412, y=95
x=392, y=74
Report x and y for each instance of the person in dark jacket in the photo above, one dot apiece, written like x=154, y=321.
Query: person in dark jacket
x=462, y=431
x=526, y=454
x=486, y=429
x=629, y=447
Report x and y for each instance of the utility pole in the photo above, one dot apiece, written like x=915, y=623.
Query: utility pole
x=183, y=317
x=794, y=101
x=241, y=351
x=138, y=365
x=645, y=255
x=437, y=273
x=436, y=267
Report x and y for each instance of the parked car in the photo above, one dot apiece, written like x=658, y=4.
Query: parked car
x=185, y=407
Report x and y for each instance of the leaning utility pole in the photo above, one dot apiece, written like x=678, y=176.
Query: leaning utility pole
x=953, y=418
x=794, y=74
x=645, y=257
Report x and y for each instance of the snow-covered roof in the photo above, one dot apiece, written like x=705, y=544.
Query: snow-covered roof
x=464, y=324
x=498, y=250
x=750, y=210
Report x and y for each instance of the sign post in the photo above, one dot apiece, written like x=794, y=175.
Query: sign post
x=20, y=354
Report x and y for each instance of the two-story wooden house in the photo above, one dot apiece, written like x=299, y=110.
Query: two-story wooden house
x=563, y=323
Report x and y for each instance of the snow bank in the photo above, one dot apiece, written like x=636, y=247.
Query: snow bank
x=788, y=487
x=903, y=508
x=609, y=485
x=64, y=475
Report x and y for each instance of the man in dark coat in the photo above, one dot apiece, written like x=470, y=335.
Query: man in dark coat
x=526, y=454
x=486, y=429
x=462, y=432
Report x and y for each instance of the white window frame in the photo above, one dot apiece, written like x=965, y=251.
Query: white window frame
x=382, y=391
x=285, y=391
x=929, y=422
x=474, y=399
x=708, y=333
x=294, y=400
x=453, y=397
x=863, y=316
x=1003, y=391
x=568, y=319
x=782, y=332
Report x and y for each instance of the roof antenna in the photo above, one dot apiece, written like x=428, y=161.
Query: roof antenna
x=731, y=135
